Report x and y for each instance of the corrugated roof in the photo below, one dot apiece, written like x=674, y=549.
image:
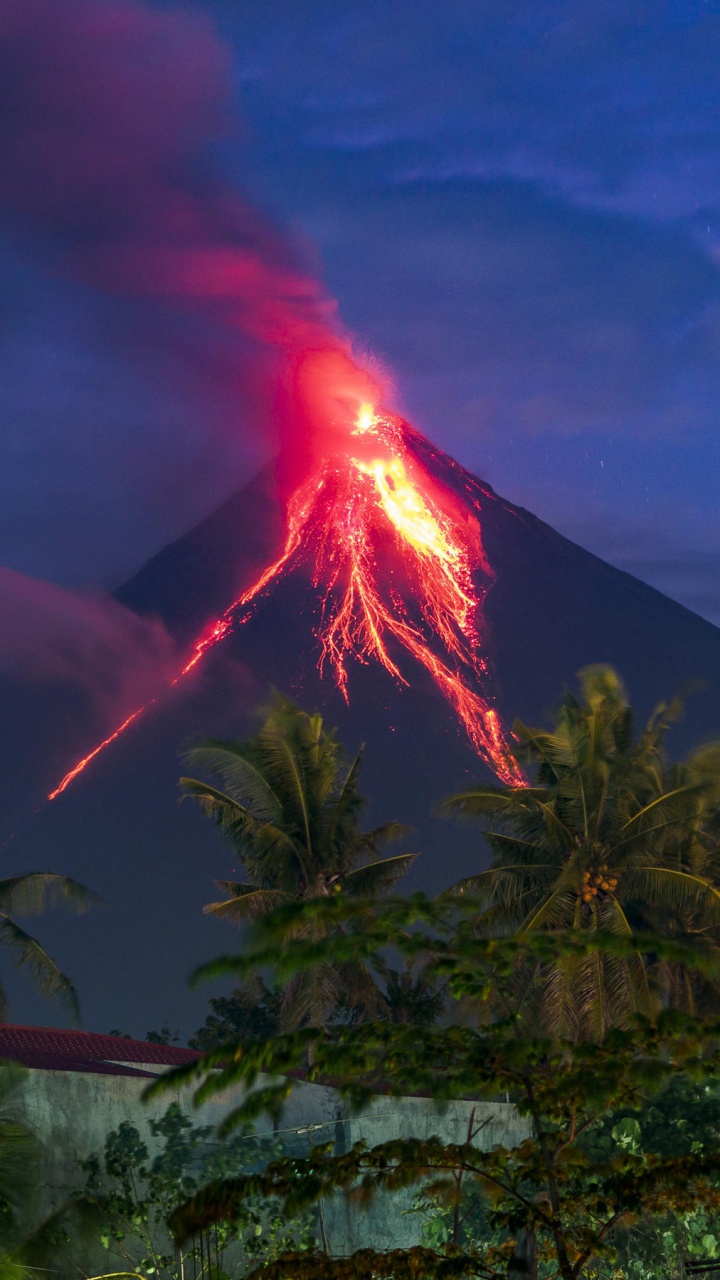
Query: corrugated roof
x=58, y=1049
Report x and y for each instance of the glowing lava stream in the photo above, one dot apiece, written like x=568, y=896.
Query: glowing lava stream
x=394, y=557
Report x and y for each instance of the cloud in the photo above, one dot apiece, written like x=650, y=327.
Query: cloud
x=153, y=311
x=494, y=296
x=598, y=101
x=108, y=109
x=111, y=111
x=88, y=642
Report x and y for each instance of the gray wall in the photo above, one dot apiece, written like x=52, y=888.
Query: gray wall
x=72, y=1112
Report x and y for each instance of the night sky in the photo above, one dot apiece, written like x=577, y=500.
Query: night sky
x=513, y=210
x=517, y=207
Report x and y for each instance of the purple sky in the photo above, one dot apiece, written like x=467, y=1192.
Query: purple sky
x=517, y=206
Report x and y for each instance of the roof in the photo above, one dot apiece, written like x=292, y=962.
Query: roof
x=57, y=1049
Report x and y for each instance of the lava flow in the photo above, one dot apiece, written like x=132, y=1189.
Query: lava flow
x=394, y=557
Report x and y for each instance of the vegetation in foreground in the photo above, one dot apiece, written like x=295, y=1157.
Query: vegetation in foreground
x=577, y=978
x=597, y=927
x=609, y=837
x=291, y=808
x=555, y=1196
x=134, y=1193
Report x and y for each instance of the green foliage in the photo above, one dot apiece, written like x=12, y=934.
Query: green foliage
x=682, y=1120
x=31, y=894
x=136, y=1194
x=609, y=837
x=291, y=808
x=550, y=1196
x=164, y=1036
x=252, y=1012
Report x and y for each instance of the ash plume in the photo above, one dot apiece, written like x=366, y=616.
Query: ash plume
x=112, y=111
x=109, y=113
x=49, y=635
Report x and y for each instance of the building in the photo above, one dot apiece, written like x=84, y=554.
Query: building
x=81, y=1086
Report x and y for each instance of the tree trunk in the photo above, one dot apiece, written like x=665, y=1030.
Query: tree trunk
x=523, y=1263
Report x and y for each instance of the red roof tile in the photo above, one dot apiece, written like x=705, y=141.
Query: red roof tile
x=53, y=1049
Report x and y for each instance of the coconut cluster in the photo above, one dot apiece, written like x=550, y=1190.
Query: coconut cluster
x=596, y=882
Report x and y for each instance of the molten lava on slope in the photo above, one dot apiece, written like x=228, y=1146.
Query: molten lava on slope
x=397, y=560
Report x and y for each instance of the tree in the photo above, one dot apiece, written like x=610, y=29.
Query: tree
x=251, y=1012
x=30, y=894
x=608, y=837
x=134, y=1193
x=166, y=1035
x=411, y=996
x=291, y=808
x=692, y=848
x=683, y=1119
x=551, y=1202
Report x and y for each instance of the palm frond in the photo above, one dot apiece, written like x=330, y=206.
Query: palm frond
x=33, y=893
x=555, y=911
x=673, y=889
x=345, y=804
x=234, y=819
x=49, y=979
x=478, y=801
x=667, y=798
x=247, y=906
x=388, y=833
x=376, y=877
x=288, y=772
x=244, y=783
x=514, y=847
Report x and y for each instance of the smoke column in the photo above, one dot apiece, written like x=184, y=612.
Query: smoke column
x=111, y=110
x=108, y=112
x=89, y=641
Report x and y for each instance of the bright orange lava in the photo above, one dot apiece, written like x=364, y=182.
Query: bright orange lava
x=394, y=558
x=72, y=774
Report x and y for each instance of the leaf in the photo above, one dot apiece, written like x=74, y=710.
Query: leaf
x=375, y=877
x=50, y=981
x=33, y=893
x=247, y=905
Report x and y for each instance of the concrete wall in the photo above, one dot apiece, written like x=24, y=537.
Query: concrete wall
x=72, y=1113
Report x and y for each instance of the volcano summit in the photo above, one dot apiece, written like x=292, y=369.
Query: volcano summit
x=395, y=592
x=396, y=558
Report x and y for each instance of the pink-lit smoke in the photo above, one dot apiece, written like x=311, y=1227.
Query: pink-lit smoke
x=88, y=642
x=109, y=111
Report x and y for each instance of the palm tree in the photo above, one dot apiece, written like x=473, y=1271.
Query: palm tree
x=692, y=848
x=608, y=837
x=31, y=894
x=291, y=808
x=411, y=996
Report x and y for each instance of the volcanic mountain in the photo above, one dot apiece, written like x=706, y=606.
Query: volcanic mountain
x=537, y=609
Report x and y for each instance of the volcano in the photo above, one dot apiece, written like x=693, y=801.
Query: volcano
x=402, y=597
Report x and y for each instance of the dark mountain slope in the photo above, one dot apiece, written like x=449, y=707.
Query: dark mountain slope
x=552, y=609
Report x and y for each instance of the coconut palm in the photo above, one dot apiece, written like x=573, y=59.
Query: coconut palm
x=692, y=848
x=291, y=808
x=411, y=996
x=607, y=837
x=28, y=895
